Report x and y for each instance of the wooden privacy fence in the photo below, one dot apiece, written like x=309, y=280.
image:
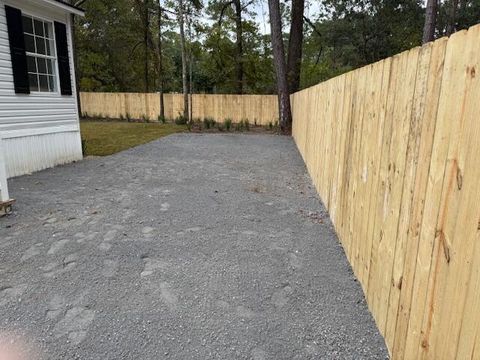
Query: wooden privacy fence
x=262, y=109
x=394, y=151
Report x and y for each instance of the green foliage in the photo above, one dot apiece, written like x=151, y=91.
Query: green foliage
x=240, y=126
x=145, y=118
x=467, y=14
x=343, y=35
x=228, y=124
x=352, y=33
x=206, y=123
x=181, y=120
x=209, y=123
x=110, y=48
x=161, y=119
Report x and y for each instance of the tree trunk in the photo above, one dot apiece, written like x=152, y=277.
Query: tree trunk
x=146, y=24
x=160, y=61
x=284, y=110
x=239, y=46
x=430, y=21
x=295, y=44
x=181, y=20
x=190, y=90
x=452, y=17
x=461, y=17
x=190, y=70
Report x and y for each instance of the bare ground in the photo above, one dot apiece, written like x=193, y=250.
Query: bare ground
x=190, y=247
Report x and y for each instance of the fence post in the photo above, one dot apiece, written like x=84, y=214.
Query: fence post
x=3, y=175
x=5, y=201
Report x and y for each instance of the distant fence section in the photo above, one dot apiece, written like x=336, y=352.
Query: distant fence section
x=260, y=108
x=394, y=151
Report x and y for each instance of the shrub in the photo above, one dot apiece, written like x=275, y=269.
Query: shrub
x=181, y=120
x=128, y=117
x=240, y=126
x=228, y=124
x=206, y=123
x=220, y=127
x=209, y=123
x=270, y=125
x=246, y=123
x=161, y=119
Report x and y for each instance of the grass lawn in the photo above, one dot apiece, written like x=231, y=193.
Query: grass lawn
x=103, y=138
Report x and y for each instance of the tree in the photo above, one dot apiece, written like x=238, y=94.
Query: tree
x=338, y=37
x=77, y=3
x=182, y=17
x=237, y=55
x=295, y=45
x=181, y=22
x=144, y=7
x=284, y=111
x=238, y=8
x=430, y=21
x=160, y=59
x=452, y=14
x=239, y=45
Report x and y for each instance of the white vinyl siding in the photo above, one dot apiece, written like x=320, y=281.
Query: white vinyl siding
x=39, y=114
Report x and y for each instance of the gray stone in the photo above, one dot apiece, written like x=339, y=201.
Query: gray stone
x=190, y=247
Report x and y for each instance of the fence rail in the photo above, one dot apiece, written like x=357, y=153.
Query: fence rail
x=393, y=149
x=262, y=109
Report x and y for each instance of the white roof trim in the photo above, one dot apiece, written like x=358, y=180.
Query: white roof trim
x=65, y=7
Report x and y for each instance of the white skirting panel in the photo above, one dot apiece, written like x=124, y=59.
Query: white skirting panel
x=27, y=154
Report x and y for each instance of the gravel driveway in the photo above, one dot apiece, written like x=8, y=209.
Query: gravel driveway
x=190, y=247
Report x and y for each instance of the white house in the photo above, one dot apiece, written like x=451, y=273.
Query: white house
x=39, y=123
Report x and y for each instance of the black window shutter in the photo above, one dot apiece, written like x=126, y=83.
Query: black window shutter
x=17, y=50
x=63, y=60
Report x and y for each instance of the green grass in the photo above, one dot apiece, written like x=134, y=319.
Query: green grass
x=102, y=138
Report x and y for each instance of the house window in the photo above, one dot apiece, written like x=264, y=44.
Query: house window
x=40, y=52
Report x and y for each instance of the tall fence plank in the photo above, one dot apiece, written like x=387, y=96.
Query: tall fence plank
x=257, y=109
x=393, y=150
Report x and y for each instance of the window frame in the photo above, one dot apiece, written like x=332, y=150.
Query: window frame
x=52, y=57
